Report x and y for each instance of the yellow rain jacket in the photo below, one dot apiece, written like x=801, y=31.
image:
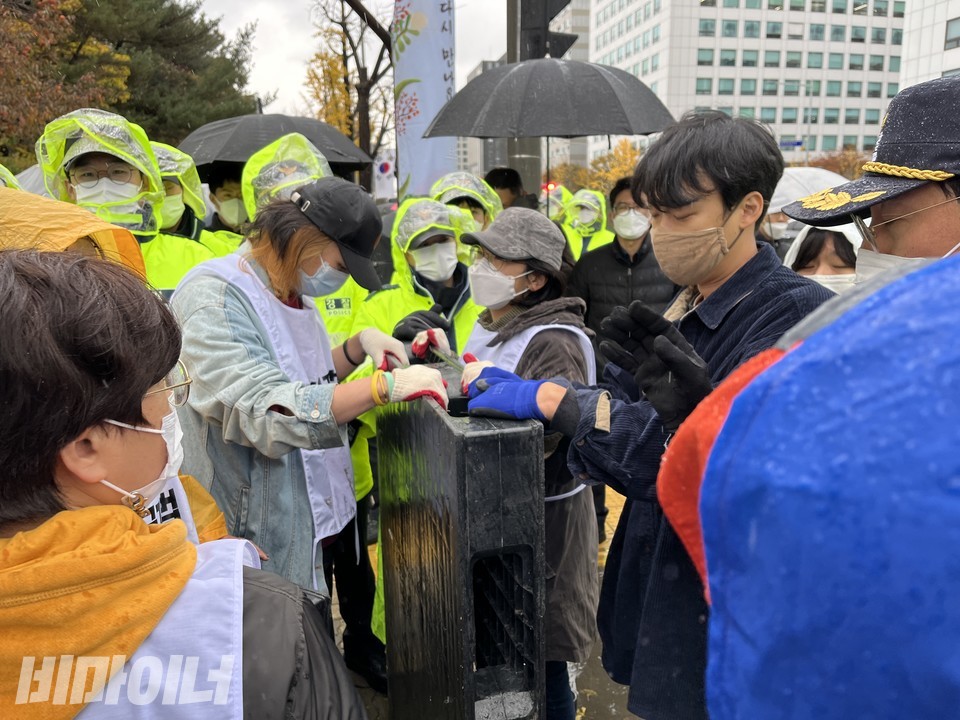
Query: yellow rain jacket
x=7, y=179
x=554, y=201
x=463, y=184
x=90, y=130
x=339, y=311
x=593, y=235
x=280, y=168
x=418, y=217
x=167, y=257
x=177, y=166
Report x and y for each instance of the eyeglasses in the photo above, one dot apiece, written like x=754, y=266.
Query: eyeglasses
x=89, y=176
x=868, y=232
x=479, y=253
x=624, y=207
x=177, y=384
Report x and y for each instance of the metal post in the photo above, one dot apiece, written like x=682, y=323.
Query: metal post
x=523, y=154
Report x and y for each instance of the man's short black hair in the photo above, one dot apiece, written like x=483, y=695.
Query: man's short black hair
x=504, y=178
x=704, y=151
x=83, y=341
x=619, y=186
x=220, y=173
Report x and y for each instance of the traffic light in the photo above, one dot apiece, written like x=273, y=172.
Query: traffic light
x=536, y=39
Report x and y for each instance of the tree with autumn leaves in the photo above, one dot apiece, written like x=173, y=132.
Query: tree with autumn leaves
x=349, y=79
x=604, y=171
x=160, y=63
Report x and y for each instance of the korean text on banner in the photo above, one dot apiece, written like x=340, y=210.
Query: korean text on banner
x=423, y=62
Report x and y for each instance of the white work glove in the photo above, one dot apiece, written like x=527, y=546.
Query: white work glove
x=417, y=381
x=385, y=352
x=470, y=372
x=426, y=339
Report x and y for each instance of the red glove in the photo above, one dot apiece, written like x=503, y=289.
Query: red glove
x=426, y=339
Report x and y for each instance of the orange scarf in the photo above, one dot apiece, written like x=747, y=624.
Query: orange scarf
x=89, y=582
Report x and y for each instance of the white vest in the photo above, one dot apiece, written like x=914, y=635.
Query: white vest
x=506, y=356
x=300, y=344
x=191, y=666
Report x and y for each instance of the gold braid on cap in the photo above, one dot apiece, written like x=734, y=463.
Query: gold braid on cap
x=905, y=172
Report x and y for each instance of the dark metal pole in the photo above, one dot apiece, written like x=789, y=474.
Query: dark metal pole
x=523, y=154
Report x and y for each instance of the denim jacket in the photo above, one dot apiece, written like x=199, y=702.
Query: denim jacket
x=238, y=448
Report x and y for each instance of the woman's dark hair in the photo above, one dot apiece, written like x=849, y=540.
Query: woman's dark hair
x=705, y=151
x=813, y=245
x=556, y=285
x=83, y=341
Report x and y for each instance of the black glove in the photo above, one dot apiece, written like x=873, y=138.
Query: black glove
x=627, y=334
x=669, y=372
x=674, y=379
x=406, y=330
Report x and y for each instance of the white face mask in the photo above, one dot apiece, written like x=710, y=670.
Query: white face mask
x=870, y=264
x=232, y=212
x=436, y=262
x=631, y=225
x=777, y=230
x=325, y=281
x=118, y=199
x=587, y=216
x=491, y=288
x=837, y=283
x=142, y=498
x=173, y=209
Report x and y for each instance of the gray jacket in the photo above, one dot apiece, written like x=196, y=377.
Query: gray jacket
x=570, y=542
x=291, y=667
x=236, y=443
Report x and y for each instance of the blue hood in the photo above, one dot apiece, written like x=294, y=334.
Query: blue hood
x=831, y=519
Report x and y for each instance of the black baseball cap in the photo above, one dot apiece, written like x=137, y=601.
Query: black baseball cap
x=919, y=143
x=346, y=214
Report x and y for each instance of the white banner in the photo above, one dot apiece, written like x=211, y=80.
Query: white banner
x=423, y=67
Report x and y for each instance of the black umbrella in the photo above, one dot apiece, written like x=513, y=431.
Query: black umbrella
x=236, y=139
x=551, y=98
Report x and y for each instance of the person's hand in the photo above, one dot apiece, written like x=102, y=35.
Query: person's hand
x=627, y=334
x=674, y=378
x=385, y=352
x=426, y=339
x=418, y=381
x=471, y=371
x=500, y=394
x=416, y=322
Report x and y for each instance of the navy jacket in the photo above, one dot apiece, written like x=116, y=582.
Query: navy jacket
x=652, y=616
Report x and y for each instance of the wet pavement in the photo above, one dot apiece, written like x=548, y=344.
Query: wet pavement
x=599, y=698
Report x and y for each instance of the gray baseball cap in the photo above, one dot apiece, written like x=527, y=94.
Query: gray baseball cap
x=521, y=234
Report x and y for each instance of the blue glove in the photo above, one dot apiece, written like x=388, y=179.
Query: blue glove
x=499, y=394
x=488, y=377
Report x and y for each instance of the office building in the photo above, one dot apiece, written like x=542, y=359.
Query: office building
x=819, y=72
